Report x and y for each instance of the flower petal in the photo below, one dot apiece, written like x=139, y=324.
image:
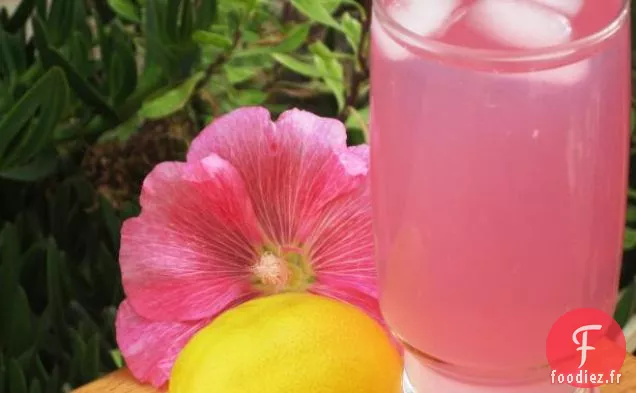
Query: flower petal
x=234, y=132
x=330, y=130
x=361, y=151
x=189, y=254
x=292, y=168
x=150, y=348
x=341, y=242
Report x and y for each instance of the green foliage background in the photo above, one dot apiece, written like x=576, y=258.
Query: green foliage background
x=93, y=94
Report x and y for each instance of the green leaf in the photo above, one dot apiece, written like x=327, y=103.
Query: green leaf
x=187, y=21
x=122, y=73
x=7, y=62
x=123, y=131
x=626, y=305
x=356, y=116
x=59, y=207
x=10, y=264
x=171, y=101
x=4, y=20
x=357, y=126
x=35, y=387
x=58, y=22
x=150, y=82
x=305, y=69
x=91, y=359
x=116, y=78
x=294, y=39
x=41, y=167
x=237, y=75
x=331, y=5
x=209, y=38
x=156, y=38
x=20, y=51
x=79, y=349
x=126, y=9
x=316, y=11
x=249, y=97
x=359, y=5
x=54, y=279
x=104, y=39
x=39, y=134
x=85, y=91
x=111, y=221
x=17, y=381
x=20, y=16
x=40, y=8
x=161, y=45
x=631, y=213
x=20, y=326
x=80, y=24
x=40, y=370
x=115, y=354
x=331, y=71
x=20, y=116
x=53, y=384
x=629, y=241
x=172, y=20
x=80, y=49
x=205, y=14
x=322, y=50
x=352, y=30
x=126, y=70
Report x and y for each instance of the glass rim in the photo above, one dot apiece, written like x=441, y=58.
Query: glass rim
x=437, y=47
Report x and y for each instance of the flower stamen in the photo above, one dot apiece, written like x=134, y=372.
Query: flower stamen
x=282, y=269
x=272, y=270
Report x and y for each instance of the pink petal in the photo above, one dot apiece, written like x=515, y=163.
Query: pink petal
x=188, y=255
x=341, y=242
x=238, y=131
x=150, y=348
x=292, y=169
x=361, y=151
x=330, y=130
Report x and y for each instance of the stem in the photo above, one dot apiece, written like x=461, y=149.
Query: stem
x=222, y=59
x=366, y=28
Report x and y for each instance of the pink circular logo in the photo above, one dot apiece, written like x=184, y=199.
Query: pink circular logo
x=586, y=348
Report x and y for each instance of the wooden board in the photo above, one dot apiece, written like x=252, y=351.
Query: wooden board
x=122, y=382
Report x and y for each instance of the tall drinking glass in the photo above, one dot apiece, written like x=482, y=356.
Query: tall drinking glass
x=499, y=146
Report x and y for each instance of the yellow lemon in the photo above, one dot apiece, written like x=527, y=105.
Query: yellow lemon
x=289, y=343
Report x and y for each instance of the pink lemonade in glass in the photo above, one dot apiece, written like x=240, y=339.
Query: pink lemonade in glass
x=499, y=139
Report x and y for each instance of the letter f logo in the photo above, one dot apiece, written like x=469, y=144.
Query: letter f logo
x=584, y=348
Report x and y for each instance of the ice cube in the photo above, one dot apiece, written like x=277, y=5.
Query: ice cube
x=520, y=23
x=423, y=17
x=568, y=7
x=385, y=43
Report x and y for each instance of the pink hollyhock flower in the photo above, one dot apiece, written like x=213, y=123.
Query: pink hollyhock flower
x=259, y=208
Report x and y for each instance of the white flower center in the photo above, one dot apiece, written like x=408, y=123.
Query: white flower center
x=272, y=270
